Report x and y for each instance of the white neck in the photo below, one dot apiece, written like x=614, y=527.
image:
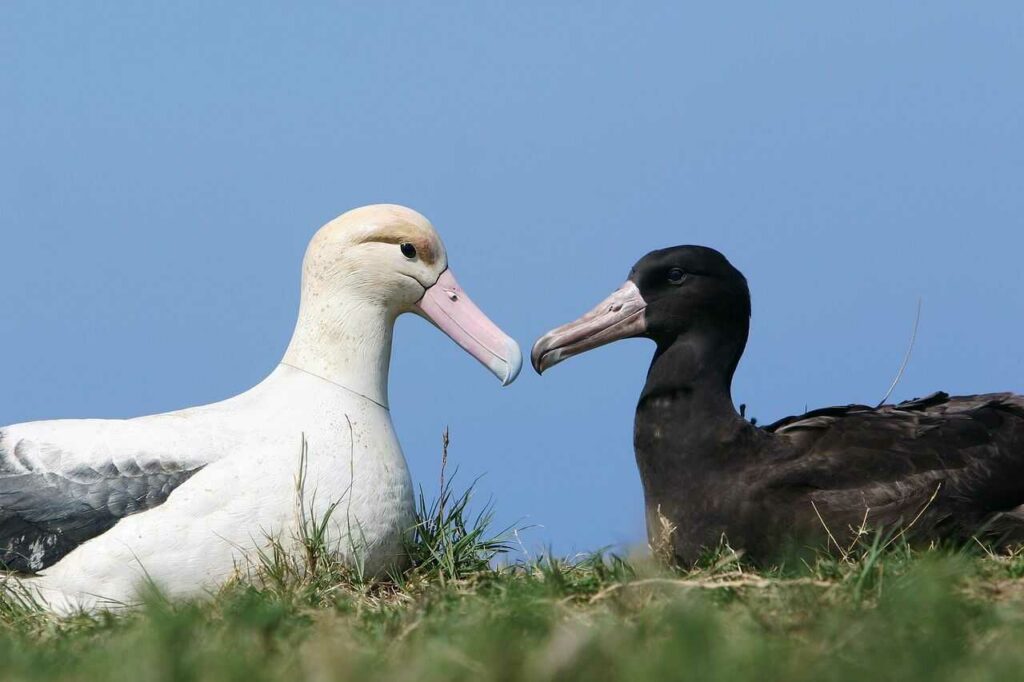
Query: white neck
x=346, y=341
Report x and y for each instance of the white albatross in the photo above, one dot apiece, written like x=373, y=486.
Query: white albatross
x=91, y=509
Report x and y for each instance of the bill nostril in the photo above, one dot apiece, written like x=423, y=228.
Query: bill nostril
x=616, y=307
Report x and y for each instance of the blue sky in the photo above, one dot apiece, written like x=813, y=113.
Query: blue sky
x=163, y=165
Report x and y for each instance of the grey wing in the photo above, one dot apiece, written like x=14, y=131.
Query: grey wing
x=47, y=511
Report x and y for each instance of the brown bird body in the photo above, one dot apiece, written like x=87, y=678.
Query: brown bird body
x=939, y=468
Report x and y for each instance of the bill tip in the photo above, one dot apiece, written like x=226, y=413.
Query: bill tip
x=514, y=364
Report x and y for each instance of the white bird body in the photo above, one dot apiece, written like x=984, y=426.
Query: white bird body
x=94, y=508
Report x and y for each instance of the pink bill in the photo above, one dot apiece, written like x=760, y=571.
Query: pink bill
x=447, y=306
x=619, y=316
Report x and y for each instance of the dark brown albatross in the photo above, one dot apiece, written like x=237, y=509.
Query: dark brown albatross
x=942, y=468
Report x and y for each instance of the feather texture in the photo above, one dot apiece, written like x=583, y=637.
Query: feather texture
x=46, y=511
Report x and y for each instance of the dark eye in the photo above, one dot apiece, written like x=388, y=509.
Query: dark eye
x=408, y=250
x=676, y=276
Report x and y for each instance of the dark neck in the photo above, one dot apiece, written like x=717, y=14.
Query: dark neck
x=692, y=376
x=686, y=414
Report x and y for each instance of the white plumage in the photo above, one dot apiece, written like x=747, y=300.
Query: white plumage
x=92, y=508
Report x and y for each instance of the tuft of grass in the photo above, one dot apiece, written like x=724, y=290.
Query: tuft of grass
x=304, y=569
x=448, y=541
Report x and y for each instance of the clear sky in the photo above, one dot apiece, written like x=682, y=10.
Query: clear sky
x=163, y=165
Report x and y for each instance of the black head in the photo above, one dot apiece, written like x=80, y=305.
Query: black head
x=689, y=288
x=672, y=293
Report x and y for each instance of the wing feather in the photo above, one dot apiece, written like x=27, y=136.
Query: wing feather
x=954, y=464
x=51, y=503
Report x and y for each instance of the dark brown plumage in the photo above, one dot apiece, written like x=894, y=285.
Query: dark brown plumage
x=939, y=468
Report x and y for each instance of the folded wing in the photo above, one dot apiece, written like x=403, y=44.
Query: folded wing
x=53, y=499
x=952, y=465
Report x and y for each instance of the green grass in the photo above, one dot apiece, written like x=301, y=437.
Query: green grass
x=881, y=612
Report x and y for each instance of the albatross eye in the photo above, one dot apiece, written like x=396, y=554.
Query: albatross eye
x=408, y=250
x=676, y=276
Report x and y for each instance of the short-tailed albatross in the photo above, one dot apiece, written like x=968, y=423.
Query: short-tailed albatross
x=89, y=509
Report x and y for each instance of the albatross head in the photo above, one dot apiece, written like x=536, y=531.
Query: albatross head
x=390, y=257
x=680, y=292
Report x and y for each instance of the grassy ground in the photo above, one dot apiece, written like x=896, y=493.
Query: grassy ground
x=882, y=612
